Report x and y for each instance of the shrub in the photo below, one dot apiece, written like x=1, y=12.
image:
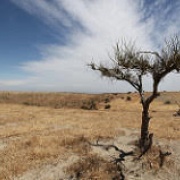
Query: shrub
x=107, y=106
x=128, y=98
x=91, y=105
x=167, y=102
x=177, y=113
x=107, y=100
x=84, y=107
x=27, y=103
x=92, y=166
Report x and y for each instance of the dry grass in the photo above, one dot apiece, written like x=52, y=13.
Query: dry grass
x=32, y=136
x=54, y=100
x=92, y=166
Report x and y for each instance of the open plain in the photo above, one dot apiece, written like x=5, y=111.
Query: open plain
x=45, y=136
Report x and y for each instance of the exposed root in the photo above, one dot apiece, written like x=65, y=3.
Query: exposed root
x=92, y=166
x=117, y=161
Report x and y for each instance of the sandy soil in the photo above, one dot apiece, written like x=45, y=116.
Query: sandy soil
x=133, y=169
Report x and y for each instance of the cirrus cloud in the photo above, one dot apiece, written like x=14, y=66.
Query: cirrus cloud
x=92, y=28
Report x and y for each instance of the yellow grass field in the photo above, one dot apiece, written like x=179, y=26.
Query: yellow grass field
x=42, y=135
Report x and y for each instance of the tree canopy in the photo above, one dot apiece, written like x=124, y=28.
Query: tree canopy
x=130, y=64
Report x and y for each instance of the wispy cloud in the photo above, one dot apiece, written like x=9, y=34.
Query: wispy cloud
x=162, y=15
x=93, y=28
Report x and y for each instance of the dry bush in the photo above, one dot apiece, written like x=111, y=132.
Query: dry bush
x=92, y=166
x=107, y=106
x=152, y=160
x=78, y=144
x=107, y=100
x=91, y=105
x=128, y=98
x=167, y=102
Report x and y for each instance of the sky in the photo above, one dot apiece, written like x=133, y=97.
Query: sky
x=46, y=45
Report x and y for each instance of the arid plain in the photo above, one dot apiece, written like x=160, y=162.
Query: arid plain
x=44, y=135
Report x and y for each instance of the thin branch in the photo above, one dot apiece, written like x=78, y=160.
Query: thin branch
x=106, y=147
x=135, y=85
x=151, y=52
x=128, y=62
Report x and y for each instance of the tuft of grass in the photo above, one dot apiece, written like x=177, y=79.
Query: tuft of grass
x=152, y=160
x=78, y=144
x=92, y=166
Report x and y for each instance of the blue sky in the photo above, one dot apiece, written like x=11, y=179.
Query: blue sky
x=45, y=45
x=20, y=36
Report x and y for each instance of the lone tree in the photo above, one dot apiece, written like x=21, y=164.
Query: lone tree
x=131, y=65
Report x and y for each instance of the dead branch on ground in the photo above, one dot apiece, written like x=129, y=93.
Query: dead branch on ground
x=118, y=161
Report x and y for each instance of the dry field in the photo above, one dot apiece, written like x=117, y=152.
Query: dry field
x=43, y=136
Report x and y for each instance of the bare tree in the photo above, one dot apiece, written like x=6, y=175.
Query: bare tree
x=131, y=65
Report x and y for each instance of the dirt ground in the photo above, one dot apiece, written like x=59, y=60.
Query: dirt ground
x=50, y=143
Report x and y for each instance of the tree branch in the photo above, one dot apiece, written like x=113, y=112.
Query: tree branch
x=152, y=52
x=131, y=65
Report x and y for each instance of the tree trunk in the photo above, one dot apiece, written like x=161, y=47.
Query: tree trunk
x=145, y=141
